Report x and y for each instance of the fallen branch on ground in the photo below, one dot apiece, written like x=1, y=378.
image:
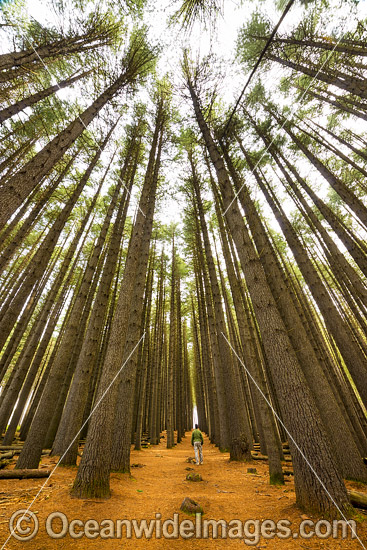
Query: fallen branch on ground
x=23, y=474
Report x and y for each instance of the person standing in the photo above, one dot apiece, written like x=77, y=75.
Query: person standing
x=197, y=441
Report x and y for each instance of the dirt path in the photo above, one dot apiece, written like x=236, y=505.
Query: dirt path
x=227, y=492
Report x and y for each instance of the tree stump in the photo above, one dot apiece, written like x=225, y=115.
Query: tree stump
x=194, y=477
x=191, y=507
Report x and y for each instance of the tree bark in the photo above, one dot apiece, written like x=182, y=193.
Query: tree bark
x=93, y=475
x=298, y=408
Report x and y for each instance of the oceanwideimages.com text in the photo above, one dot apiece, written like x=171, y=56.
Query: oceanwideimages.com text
x=24, y=525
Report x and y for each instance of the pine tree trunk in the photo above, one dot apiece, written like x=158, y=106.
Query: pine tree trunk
x=337, y=104
x=59, y=48
x=298, y=408
x=145, y=361
x=343, y=338
x=72, y=418
x=171, y=352
x=120, y=452
x=93, y=475
x=207, y=361
x=352, y=85
x=15, y=108
x=44, y=253
x=254, y=367
x=336, y=183
x=346, y=453
x=356, y=248
x=26, y=226
x=239, y=432
x=40, y=424
x=16, y=189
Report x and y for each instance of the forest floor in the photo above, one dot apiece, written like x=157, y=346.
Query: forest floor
x=227, y=492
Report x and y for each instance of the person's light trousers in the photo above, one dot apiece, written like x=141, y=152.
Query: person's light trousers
x=198, y=452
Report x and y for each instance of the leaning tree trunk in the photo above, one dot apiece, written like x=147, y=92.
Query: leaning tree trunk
x=34, y=369
x=343, y=338
x=337, y=104
x=16, y=189
x=25, y=359
x=352, y=85
x=240, y=441
x=58, y=48
x=307, y=437
x=356, y=248
x=336, y=183
x=347, y=455
x=336, y=258
x=120, y=452
x=14, y=109
x=26, y=226
x=352, y=48
x=250, y=359
x=66, y=442
x=93, y=477
x=40, y=424
x=44, y=253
